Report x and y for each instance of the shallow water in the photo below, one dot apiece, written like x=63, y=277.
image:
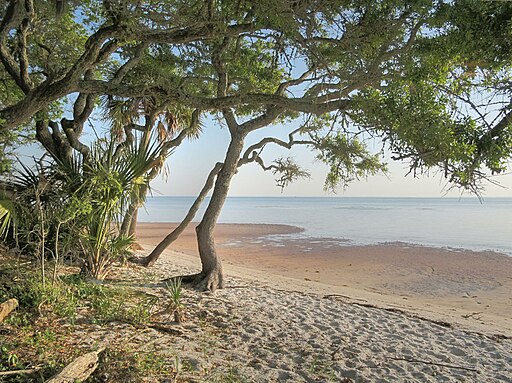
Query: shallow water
x=442, y=222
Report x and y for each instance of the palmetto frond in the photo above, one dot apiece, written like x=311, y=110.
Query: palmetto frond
x=119, y=113
x=176, y=118
x=7, y=214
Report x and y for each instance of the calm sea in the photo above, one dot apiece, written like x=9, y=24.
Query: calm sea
x=441, y=222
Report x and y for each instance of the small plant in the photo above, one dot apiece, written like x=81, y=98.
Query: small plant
x=8, y=359
x=174, y=289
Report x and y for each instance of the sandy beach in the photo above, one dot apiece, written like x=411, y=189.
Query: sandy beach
x=465, y=288
x=285, y=316
x=267, y=331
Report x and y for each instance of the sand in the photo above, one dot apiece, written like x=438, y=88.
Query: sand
x=470, y=289
x=264, y=330
x=293, y=311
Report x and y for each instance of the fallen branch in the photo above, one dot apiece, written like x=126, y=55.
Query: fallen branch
x=166, y=329
x=410, y=360
x=78, y=370
x=7, y=307
x=16, y=372
x=329, y=296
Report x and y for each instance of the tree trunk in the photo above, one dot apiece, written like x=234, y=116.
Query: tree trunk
x=132, y=229
x=211, y=276
x=127, y=219
x=155, y=254
x=129, y=224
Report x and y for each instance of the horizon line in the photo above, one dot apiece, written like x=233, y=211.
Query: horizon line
x=332, y=196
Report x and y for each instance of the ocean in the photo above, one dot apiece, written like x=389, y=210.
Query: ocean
x=464, y=223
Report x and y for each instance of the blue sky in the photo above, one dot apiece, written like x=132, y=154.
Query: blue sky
x=190, y=164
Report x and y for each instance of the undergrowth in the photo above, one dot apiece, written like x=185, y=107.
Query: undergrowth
x=39, y=334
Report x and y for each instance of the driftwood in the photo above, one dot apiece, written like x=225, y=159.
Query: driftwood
x=79, y=369
x=17, y=372
x=7, y=307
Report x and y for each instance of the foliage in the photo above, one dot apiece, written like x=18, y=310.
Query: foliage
x=127, y=365
x=35, y=336
x=6, y=214
x=418, y=59
x=78, y=205
x=410, y=73
x=68, y=296
x=174, y=290
x=288, y=171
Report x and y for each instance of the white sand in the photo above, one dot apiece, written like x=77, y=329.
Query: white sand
x=263, y=332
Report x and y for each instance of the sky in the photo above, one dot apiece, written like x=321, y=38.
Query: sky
x=190, y=164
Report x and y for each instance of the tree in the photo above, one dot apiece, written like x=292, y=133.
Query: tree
x=381, y=69
x=82, y=41
x=397, y=70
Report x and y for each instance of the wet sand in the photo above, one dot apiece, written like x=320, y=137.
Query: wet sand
x=472, y=289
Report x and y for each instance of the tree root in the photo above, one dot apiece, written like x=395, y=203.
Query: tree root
x=204, y=281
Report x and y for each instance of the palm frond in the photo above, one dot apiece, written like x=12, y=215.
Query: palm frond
x=7, y=214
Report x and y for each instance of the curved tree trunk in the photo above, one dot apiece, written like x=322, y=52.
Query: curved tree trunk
x=211, y=276
x=128, y=219
x=170, y=238
x=129, y=224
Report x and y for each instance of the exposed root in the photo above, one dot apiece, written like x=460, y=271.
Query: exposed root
x=137, y=260
x=205, y=281
x=191, y=278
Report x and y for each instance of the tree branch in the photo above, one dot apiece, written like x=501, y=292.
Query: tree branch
x=285, y=85
x=304, y=104
x=69, y=130
x=14, y=15
x=187, y=35
x=22, y=46
x=252, y=151
x=130, y=64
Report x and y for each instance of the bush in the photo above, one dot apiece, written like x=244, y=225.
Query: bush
x=74, y=209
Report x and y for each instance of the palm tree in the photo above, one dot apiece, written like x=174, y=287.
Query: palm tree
x=168, y=125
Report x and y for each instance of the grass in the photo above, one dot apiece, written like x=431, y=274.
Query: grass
x=72, y=297
x=41, y=333
x=57, y=322
x=128, y=365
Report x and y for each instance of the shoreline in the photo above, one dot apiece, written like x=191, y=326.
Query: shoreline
x=292, y=229
x=464, y=287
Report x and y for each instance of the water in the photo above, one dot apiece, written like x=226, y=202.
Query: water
x=441, y=222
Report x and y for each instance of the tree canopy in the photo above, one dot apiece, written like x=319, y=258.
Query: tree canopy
x=399, y=69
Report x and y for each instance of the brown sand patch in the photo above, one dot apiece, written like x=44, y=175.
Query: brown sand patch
x=466, y=285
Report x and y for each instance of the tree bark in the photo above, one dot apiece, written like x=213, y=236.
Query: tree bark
x=78, y=370
x=133, y=223
x=211, y=276
x=166, y=242
x=132, y=229
x=128, y=220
